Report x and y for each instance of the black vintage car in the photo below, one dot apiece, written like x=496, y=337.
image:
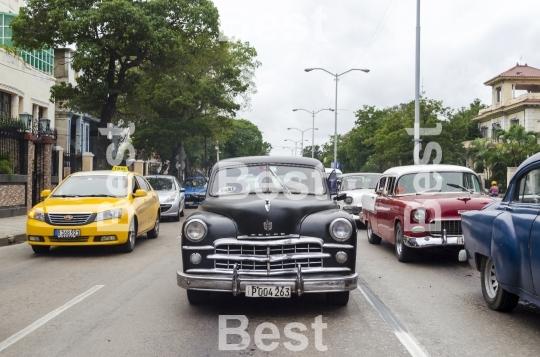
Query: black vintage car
x=269, y=227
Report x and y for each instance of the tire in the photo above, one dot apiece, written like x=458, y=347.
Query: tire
x=41, y=249
x=198, y=297
x=154, y=232
x=177, y=217
x=372, y=237
x=129, y=245
x=182, y=213
x=496, y=297
x=403, y=253
x=340, y=298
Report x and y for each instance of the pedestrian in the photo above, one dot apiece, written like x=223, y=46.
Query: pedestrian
x=494, y=190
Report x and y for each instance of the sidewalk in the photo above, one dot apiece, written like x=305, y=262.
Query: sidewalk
x=12, y=230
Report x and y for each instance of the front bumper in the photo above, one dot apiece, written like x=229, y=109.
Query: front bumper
x=170, y=209
x=316, y=283
x=429, y=241
x=354, y=210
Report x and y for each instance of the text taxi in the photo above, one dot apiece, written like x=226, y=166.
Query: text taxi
x=95, y=208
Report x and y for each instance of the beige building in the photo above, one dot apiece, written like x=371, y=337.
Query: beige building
x=515, y=100
x=11, y=5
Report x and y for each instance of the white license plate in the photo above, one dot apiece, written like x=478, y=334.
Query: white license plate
x=189, y=203
x=67, y=233
x=268, y=291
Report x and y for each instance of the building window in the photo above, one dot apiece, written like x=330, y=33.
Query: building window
x=514, y=121
x=5, y=105
x=494, y=128
x=484, y=131
x=86, y=138
x=498, y=92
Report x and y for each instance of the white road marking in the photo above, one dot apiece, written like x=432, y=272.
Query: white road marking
x=16, y=337
x=406, y=339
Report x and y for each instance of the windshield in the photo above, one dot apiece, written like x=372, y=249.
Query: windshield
x=268, y=178
x=438, y=182
x=161, y=183
x=194, y=182
x=93, y=186
x=359, y=182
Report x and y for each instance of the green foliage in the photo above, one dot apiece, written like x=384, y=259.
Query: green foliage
x=11, y=124
x=516, y=144
x=244, y=139
x=6, y=164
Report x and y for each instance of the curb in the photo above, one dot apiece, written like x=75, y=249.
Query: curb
x=12, y=239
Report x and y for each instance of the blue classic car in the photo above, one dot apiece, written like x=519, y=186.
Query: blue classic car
x=195, y=190
x=502, y=241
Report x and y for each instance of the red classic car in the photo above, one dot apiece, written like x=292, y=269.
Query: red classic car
x=420, y=206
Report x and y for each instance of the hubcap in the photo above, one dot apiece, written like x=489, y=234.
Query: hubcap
x=369, y=232
x=398, y=240
x=492, y=285
x=156, y=227
x=132, y=234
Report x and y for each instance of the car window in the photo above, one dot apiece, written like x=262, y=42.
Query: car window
x=161, y=183
x=194, y=182
x=134, y=185
x=390, y=185
x=93, y=185
x=381, y=184
x=359, y=182
x=142, y=183
x=449, y=181
x=529, y=188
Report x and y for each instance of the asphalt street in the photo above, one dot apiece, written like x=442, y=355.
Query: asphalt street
x=98, y=302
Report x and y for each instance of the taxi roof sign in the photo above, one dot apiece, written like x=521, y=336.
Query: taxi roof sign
x=120, y=168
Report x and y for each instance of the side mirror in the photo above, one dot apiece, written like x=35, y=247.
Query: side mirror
x=378, y=192
x=45, y=193
x=182, y=189
x=140, y=193
x=340, y=197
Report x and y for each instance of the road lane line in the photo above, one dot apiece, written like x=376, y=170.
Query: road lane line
x=406, y=339
x=16, y=337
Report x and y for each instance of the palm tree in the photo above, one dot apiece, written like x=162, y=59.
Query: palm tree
x=517, y=144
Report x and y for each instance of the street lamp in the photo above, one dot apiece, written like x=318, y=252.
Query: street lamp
x=217, y=150
x=313, y=126
x=303, y=131
x=336, y=76
x=295, y=144
x=287, y=147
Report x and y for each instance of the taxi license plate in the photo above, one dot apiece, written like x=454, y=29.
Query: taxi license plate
x=268, y=291
x=67, y=233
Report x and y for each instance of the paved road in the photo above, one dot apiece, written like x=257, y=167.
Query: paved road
x=131, y=306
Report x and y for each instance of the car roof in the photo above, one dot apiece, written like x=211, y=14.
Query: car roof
x=102, y=173
x=411, y=169
x=164, y=176
x=291, y=160
x=360, y=174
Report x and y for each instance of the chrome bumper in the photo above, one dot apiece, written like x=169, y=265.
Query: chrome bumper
x=237, y=284
x=429, y=241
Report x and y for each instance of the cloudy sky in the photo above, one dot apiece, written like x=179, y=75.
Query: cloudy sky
x=463, y=44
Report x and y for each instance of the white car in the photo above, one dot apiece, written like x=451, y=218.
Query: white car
x=171, y=195
x=355, y=185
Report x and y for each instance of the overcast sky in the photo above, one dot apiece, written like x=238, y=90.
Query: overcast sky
x=463, y=44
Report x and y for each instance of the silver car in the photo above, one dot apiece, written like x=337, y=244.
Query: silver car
x=171, y=195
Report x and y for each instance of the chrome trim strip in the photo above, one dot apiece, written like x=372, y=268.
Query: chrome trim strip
x=202, y=247
x=430, y=241
x=269, y=236
x=233, y=241
x=267, y=258
x=337, y=246
x=266, y=273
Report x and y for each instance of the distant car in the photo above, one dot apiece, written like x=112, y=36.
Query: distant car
x=195, y=190
x=171, y=195
x=328, y=171
x=420, y=206
x=269, y=227
x=355, y=185
x=93, y=208
x=502, y=241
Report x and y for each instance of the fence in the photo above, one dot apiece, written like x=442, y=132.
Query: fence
x=13, y=150
x=73, y=161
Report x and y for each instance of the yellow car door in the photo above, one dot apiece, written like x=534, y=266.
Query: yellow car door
x=149, y=213
x=139, y=204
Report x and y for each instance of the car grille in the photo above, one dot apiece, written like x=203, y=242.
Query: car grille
x=68, y=240
x=277, y=260
x=165, y=208
x=77, y=219
x=353, y=209
x=453, y=228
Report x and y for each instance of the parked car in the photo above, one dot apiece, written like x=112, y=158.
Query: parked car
x=171, y=195
x=502, y=241
x=195, y=190
x=354, y=186
x=95, y=208
x=269, y=227
x=420, y=206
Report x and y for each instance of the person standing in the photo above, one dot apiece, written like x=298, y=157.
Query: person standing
x=494, y=190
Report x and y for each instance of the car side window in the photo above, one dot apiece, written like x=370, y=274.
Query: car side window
x=529, y=188
x=381, y=184
x=390, y=185
x=134, y=185
x=142, y=183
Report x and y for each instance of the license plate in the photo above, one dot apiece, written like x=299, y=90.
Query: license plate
x=268, y=291
x=67, y=233
x=189, y=203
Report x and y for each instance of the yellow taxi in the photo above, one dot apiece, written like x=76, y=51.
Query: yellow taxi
x=95, y=208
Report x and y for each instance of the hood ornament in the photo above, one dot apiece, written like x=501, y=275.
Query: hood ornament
x=267, y=207
x=267, y=225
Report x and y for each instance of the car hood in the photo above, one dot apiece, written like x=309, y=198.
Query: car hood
x=357, y=194
x=163, y=195
x=251, y=214
x=450, y=205
x=80, y=204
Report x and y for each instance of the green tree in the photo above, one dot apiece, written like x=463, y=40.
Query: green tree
x=244, y=139
x=517, y=144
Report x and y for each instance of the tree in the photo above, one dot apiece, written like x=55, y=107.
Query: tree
x=245, y=139
x=517, y=144
x=113, y=38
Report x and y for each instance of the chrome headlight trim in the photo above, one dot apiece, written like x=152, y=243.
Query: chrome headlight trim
x=419, y=215
x=201, y=224
x=36, y=214
x=348, y=200
x=341, y=223
x=109, y=214
x=171, y=198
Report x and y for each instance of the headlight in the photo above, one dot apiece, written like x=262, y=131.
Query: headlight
x=341, y=229
x=195, y=230
x=348, y=200
x=171, y=199
x=110, y=214
x=419, y=215
x=37, y=215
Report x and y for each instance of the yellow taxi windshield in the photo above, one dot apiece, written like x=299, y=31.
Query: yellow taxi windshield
x=93, y=186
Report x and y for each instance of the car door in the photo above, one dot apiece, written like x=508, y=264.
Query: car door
x=180, y=193
x=138, y=204
x=147, y=215
x=375, y=216
x=385, y=216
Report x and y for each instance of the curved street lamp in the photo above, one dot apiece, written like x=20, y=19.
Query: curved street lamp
x=295, y=144
x=313, y=127
x=302, y=143
x=336, y=76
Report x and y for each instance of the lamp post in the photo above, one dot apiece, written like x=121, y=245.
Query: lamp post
x=287, y=147
x=336, y=76
x=295, y=144
x=313, y=127
x=217, y=150
x=302, y=143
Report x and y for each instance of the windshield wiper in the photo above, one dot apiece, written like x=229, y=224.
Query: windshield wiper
x=281, y=182
x=459, y=186
x=64, y=196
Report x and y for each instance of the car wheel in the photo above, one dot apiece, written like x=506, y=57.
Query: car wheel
x=129, y=245
x=496, y=297
x=372, y=237
x=41, y=249
x=177, y=217
x=154, y=233
x=338, y=298
x=403, y=253
x=198, y=297
x=182, y=213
